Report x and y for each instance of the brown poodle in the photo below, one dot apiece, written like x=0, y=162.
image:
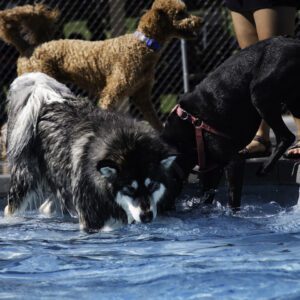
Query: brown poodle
x=112, y=69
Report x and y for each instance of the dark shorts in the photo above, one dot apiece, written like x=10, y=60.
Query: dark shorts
x=252, y=5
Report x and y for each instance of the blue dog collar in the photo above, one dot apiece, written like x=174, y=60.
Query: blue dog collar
x=150, y=43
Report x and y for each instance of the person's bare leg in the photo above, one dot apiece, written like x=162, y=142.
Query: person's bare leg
x=270, y=23
x=275, y=21
x=245, y=30
x=295, y=151
x=246, y=34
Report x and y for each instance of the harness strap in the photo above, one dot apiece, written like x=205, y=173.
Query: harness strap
x=200, y=126
x=200, y=148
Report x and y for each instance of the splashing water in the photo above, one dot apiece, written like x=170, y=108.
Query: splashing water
x=204, y=253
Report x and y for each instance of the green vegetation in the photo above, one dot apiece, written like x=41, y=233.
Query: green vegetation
x=77, y=27
x=167, y=102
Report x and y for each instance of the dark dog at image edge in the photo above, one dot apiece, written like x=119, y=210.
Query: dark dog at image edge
x=104, y=168
x=223, y=113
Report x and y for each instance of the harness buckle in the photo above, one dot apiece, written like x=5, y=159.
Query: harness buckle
x=184, y=115
x=197, y=123
x=200, y=126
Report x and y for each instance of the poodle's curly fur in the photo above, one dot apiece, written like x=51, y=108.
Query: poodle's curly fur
x=112, y=69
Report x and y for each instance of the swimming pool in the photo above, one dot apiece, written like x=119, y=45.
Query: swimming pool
x=205, y=253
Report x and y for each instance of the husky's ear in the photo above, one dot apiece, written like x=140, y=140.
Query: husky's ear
x=107, y=169
x=108, y=172
x=167, y=162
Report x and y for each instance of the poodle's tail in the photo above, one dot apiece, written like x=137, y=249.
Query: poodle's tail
x=27, y=26
x=27, y=96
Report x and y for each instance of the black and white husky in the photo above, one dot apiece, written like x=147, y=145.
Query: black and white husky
x=107, y=169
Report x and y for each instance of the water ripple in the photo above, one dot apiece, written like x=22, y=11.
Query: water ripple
x=204, y=253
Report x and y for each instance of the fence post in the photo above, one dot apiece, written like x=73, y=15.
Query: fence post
x=117, y=17
x=185, y=70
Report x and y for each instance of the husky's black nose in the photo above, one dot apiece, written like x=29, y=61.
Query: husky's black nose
x=146, y=216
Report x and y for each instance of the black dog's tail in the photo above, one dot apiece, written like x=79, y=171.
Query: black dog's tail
x=26, y=97
x=27, y=26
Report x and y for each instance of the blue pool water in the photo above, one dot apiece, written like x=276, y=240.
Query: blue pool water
x=206, y=253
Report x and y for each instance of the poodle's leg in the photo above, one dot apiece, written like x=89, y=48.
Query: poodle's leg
x=142, y=99
x=114, y=92
x=118, y=88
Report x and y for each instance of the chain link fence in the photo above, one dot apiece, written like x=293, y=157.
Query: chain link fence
x=102, y=19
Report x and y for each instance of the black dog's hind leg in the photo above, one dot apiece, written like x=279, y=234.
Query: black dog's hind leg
x=271, y=113
x=210, y=182
x=22, y=182
x=234, y=172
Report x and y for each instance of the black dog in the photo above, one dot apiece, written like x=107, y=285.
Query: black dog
x=225, y=109
x=104, y=168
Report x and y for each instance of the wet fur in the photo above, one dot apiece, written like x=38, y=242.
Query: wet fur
x=84, y=157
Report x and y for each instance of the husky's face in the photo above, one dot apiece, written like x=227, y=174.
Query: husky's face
x=139, y=192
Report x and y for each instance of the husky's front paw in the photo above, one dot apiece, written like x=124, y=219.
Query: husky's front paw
x=48, y=208
x=7, y=211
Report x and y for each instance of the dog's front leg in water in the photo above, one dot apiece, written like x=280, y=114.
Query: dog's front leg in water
x=234, y=172
x=210, y=182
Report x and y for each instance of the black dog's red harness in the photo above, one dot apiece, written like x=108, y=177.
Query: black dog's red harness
x=200, y=126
